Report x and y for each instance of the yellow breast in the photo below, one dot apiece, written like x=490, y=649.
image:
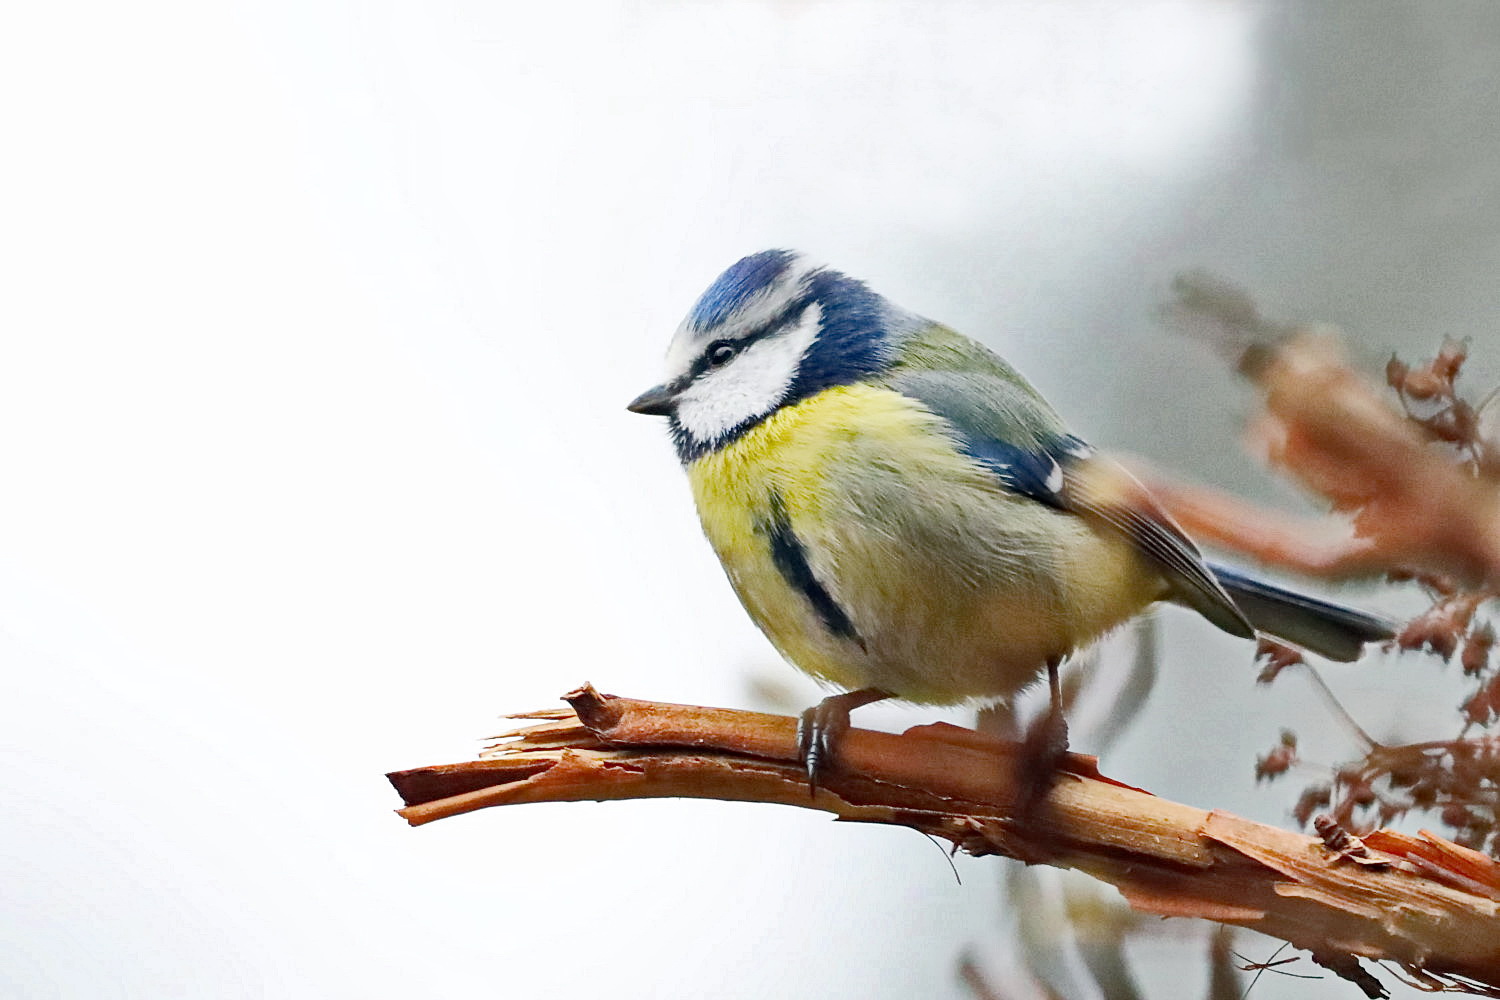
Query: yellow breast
x=953, y=588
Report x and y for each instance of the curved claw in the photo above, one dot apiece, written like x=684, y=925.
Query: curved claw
x=820, y=728
x=812, y=744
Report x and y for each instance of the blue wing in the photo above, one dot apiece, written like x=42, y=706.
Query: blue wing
x=1006, y=427
x=1037, y=471
x=1000, y=420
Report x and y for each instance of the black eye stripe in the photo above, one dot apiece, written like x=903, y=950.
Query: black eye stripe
x=771, y=327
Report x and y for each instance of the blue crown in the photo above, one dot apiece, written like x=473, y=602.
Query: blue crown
x=856, y=329
x=738, y=285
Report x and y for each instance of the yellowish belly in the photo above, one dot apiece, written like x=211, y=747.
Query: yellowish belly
x=954, y=589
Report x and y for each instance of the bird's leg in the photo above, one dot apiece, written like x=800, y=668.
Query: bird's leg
x=1043, y=750
x=1055, y=723
x=820, y=727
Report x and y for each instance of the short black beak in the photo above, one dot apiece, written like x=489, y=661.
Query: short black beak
x=658, y=401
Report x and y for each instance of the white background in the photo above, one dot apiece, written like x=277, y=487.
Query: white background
x=318, y=323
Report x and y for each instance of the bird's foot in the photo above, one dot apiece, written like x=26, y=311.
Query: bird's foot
x=821, y=727
x=1043, y=751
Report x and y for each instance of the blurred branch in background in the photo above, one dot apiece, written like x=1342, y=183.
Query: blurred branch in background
x=1413, y=508
x=1426, y=905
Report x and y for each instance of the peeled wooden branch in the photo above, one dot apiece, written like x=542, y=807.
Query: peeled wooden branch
x=1425, y=905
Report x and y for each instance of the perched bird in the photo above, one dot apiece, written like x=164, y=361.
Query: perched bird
x=904, y=516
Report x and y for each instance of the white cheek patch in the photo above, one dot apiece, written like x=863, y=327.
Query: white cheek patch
x=750, y=386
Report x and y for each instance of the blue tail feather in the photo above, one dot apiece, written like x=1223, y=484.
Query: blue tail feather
x=1333, y=630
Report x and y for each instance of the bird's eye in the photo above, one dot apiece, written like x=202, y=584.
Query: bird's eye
x=719, y=353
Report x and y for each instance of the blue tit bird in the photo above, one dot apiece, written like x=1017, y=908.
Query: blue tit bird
x=904, y=516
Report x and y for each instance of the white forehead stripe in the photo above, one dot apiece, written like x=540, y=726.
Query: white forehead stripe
x=751, y=385
x=754, y=313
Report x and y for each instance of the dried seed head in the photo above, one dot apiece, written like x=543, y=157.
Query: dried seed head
x=1312, y=799
x=1451, y=358
x=1279, y=759
x=1395, y=372
x=1477, y=646
x=1423, y=384
x=1274, y=657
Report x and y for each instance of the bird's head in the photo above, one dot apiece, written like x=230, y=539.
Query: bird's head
x=771, y=330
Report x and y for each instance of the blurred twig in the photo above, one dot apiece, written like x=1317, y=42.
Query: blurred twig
x=1428, y=906
x=1409, y=506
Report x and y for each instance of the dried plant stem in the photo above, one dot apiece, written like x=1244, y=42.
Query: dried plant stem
x=1406, y=504
x=1422, y=903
